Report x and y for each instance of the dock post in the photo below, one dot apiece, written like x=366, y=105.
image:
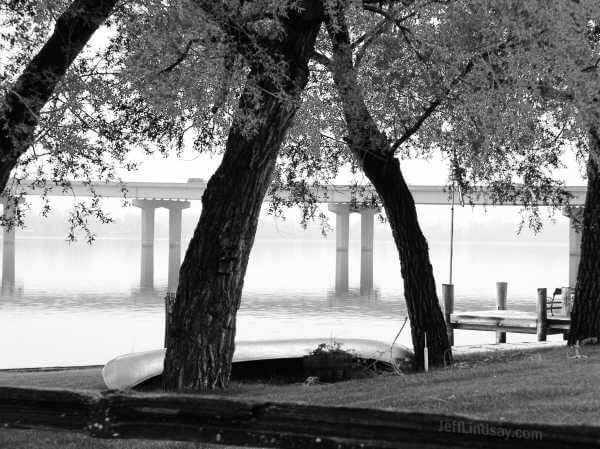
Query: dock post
x=448, y=293
x=542, y=318
x=501, y=290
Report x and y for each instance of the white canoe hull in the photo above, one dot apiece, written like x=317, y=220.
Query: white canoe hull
x=129, y=370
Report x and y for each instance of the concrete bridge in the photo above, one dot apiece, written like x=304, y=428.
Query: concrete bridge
x=148, y=196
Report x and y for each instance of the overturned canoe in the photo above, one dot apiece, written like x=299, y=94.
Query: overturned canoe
x=129, y=370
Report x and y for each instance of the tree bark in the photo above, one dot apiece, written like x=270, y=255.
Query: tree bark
x=19, y=112
x=585, y=315
x=373, y=150
x=200, y=340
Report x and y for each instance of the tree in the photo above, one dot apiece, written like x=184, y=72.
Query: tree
x=200, y=338
x=583, y=89
x=425, y=312
x=585, y=316
x=376, y=155
x=544, y=97
x=112, y=95
x=396, y=83
x=24, y=100
x=552, y=87
x=484, y=112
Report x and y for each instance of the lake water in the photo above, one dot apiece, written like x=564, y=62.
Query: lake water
x=76, y=304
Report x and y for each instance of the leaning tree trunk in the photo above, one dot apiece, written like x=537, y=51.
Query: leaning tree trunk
x=20, y=109
x=200, y=338
x=585, y=316
x=372, y=148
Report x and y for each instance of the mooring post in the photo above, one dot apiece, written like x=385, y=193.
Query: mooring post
x=542, y=318
x=448, y=294
x=501, y=290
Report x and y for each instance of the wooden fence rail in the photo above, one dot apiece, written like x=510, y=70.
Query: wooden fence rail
x=266, y=424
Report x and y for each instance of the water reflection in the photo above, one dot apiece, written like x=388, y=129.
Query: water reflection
x=83, y=305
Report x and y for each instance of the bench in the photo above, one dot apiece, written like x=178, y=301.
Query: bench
x=561, y=301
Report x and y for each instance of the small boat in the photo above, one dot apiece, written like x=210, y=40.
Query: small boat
x=130, y=370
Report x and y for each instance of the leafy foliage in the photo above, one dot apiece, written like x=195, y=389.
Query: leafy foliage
x=501, y=88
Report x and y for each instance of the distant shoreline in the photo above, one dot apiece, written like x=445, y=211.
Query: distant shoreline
x=25, y=235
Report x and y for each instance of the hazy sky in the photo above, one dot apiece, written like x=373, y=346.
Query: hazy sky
x=417, y=172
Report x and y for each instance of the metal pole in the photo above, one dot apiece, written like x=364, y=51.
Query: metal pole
x=451, y=234
x=426, y=355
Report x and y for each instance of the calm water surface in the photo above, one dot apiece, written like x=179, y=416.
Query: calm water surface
x=76, y=304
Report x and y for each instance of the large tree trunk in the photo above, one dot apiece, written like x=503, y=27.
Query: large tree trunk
x=372, y=148
x=585, y=316
x=19, y=112
x=200, y=339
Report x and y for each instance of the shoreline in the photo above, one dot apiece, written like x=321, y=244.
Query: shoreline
x=464, y=353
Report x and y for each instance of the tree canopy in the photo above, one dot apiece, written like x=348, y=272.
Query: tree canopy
x=161, y=75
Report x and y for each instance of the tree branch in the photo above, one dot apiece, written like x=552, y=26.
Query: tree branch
x=551, y=93
x=398, y=21
x=593, y=67
x=432, y=106
x=322, y=59
x=184, y=54
x=375, y=30
x=363, y=49
x=228, y=67
x=438, y=100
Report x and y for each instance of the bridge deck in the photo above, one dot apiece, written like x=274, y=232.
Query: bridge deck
x=194, y=189
x=507, y=321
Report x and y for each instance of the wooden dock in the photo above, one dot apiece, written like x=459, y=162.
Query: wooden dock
x=507, y=321
x=502, y=320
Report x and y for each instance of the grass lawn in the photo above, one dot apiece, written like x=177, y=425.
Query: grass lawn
x=35, y=439
x=80, y=379
x=541, y=387
x=544, y=387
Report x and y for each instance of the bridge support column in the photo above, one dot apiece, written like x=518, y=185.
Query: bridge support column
x=147, y=253
x=575, y=215
x=8, y=249
x=366, y=249
x=175, y=209
x=342, y=239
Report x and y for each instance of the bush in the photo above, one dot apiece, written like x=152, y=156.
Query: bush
x=330, y=363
